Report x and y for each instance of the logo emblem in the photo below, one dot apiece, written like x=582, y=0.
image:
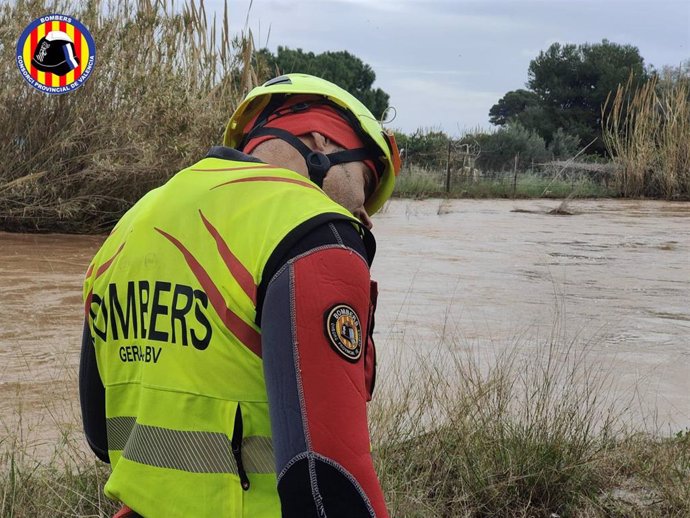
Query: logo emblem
x=56, y=54
x=344, y=331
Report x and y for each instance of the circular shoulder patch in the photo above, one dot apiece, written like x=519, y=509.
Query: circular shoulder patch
x=344, y=331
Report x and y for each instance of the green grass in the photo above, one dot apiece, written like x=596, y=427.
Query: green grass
x=417, y=182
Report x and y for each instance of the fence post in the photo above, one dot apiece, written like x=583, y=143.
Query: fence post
x=448, y=170
x=517, y=156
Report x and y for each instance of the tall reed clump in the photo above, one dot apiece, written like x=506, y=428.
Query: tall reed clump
x=166, y=80
x=647, y=132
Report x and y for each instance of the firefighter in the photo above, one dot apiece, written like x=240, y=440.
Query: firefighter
x=227, y=353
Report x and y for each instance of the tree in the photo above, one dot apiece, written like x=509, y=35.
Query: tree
x=568, y=86
x=426, y=147
x=573, y=82
x=563, y=145
x=342, y=68
x=511, y=106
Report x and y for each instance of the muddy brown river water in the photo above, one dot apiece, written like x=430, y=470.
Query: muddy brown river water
x=482, y=274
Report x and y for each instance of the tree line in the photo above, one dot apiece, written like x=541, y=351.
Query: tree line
x=559, y=112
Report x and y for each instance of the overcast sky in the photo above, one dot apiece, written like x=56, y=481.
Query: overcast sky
x=446, y=62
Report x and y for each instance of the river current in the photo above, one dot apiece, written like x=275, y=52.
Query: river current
x=469, y=275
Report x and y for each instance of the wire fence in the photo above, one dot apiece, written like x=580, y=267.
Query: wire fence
x=453, y=165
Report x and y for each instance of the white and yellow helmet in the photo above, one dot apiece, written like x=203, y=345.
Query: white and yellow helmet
x=381, y=146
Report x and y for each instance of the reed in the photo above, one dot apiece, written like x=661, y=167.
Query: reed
x=167, y=78
x=647, y=133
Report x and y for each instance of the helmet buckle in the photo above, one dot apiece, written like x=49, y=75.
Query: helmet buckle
x=318, y=163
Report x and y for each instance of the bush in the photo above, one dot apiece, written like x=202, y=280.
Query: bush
x=425, y=147
x=563, y=145
x=418, y=182
x=498, y=150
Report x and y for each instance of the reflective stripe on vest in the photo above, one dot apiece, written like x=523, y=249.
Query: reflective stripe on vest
x=197, y=452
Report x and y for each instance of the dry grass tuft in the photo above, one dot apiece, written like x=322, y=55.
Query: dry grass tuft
x=527, y=436
x=68, y=483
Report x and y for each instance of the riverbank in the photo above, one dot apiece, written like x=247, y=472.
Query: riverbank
x=517, y=439
x=69, y=217
x=561, y=183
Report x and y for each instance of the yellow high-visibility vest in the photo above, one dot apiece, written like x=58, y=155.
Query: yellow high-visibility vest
x=171, y=303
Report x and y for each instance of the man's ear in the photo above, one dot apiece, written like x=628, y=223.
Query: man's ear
x=321, y=143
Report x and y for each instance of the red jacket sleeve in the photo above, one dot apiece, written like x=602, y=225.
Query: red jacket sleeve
x=315, y=326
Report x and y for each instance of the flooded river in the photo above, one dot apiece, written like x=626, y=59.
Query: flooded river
x=464, y=273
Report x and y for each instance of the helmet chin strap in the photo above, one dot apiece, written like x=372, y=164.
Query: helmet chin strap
x=318, y=164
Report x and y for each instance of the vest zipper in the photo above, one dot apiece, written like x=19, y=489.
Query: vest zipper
x=237, y=448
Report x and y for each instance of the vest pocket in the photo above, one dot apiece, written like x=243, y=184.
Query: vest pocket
x=237, y=448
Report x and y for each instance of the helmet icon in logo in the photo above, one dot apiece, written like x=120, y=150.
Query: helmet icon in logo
x=55, y=53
